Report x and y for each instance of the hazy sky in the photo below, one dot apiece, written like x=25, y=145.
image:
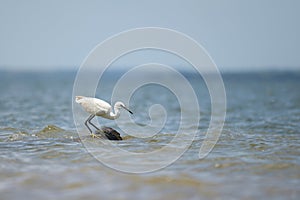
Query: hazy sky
x=238, y=34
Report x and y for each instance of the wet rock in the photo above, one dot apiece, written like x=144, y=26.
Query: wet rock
x=109, y=133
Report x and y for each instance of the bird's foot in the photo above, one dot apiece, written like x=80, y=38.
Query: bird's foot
x=94, y=135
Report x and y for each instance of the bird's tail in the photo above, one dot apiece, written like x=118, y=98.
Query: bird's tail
x=78, y=98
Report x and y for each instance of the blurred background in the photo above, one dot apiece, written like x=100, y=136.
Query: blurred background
x=255, y=45
x=239, y=35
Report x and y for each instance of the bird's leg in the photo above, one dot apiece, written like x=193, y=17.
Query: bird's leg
x=90, y=118
x=86, y=124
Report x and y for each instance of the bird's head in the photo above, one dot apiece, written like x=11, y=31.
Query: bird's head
x=120, y=105
x=78, y=99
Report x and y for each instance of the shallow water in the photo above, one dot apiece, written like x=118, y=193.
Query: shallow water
x=257, y=155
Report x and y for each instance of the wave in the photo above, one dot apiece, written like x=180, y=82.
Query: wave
x=49, y=131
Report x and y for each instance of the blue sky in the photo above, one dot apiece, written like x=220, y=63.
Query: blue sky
x=238, y=34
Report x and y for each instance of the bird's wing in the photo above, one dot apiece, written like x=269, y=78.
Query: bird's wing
x=102, y=106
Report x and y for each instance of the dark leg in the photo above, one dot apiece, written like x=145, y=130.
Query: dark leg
x=86, y=123
x=90, y=118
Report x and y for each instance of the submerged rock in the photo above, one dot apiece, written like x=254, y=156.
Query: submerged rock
x=109, y=133
x=51, y=128
x=52, y=131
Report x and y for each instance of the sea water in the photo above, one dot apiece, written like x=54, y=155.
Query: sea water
x=256, y=157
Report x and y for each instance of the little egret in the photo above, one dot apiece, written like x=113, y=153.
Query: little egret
x=98, y=107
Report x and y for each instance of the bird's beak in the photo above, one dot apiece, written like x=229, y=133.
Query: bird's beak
x=127, y=110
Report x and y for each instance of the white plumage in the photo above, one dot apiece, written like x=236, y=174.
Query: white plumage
x=98, y=107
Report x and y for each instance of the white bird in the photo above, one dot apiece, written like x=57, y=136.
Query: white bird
x=98, y=107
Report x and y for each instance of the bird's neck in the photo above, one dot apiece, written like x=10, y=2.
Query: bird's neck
x=116, y=114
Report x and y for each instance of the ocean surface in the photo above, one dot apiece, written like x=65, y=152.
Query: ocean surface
x=256, y=157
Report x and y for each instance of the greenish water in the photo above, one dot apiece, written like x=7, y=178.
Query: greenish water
x=256, y=157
